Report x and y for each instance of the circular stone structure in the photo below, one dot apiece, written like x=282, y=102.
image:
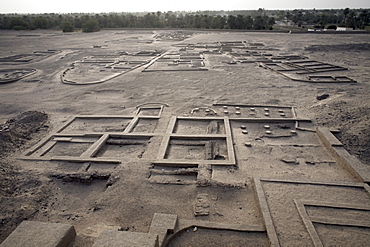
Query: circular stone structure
x=12, y=75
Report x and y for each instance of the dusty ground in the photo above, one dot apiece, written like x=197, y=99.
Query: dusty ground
x=32, y=190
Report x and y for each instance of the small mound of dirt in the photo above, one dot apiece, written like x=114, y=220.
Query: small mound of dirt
x=21, y=197
x=345, y=47
x=355, y=133
x=21, y=194
x=353, y=123
x=17, y=130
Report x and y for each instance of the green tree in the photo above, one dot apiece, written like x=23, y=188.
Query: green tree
x=270, y=23
x=297, y=18
x=18, y=23
x=281, y=15
x=351, y=20
x=249, y=22
x=40, y=22
x=197, y=21
x=67, y=27
x=218, y=22
x=364, y=18
x=240, y=22
x=258, y=23
x=323, y=20
x=231, y=21
x=91, y=25
x=288, y=15
x=346, y=12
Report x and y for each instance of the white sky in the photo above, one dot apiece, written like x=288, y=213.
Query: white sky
x=100, y=6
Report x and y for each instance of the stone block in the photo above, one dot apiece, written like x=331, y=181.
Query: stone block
x=163, y=224
x=163, y=221
x=40, y=234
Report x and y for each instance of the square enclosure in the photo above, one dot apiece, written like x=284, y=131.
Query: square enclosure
x=125, y=147
x=279, y=133
x=313, y=66
x=199, y=126
x=150, y=111
x=145, y=125
x=96, y=124
x=66, y=146
x=185, y=148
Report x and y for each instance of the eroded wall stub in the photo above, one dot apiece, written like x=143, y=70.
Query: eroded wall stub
x=12, y=75
x=172, y=36
x=85, y=172
x=88, y=123
x=323, y=78
x=28, y=58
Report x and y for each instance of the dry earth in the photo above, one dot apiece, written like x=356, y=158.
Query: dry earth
x=37, y=105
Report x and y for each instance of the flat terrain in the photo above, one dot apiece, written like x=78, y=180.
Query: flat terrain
x=189, y=123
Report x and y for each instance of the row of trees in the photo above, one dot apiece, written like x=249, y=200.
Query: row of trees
x=345, y=17
x=249, y=19
x=69, y=22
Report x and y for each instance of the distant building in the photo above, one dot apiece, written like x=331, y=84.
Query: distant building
x=284, y=23
x=344, y=29
x=340, y=29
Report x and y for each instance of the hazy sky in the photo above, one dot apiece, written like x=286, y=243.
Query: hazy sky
x=99, y=6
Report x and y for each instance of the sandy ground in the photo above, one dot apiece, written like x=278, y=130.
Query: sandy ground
x=35, y=189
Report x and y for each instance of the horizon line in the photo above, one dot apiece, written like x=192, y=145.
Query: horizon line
x=189, y=11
